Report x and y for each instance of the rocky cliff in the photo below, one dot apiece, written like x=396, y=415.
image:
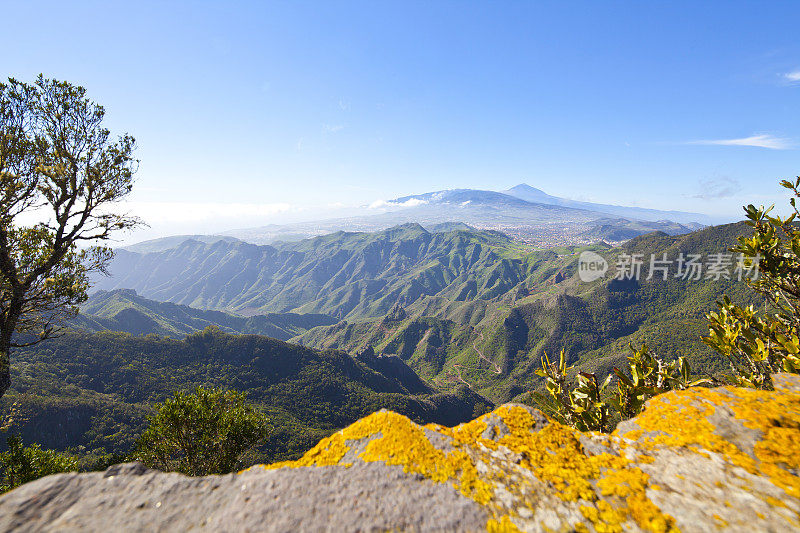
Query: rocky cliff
x=696, y=460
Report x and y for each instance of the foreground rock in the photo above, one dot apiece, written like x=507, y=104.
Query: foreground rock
x=699, y=460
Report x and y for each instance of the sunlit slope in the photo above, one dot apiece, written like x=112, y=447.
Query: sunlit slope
x=343, y=275
x=552, y=310
x=124, y=310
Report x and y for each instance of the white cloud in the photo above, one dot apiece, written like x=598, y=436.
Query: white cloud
x=763, y=140
x=332, y=128
x=793, y=76
x=411, y=202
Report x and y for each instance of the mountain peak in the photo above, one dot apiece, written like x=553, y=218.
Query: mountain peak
x=524, y=187
x=407, y=230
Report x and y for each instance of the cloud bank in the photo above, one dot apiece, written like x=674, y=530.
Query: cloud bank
x=411, y=202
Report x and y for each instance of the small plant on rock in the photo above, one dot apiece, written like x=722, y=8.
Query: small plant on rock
x=590, y=405
x=649, y=376
x=580, y=406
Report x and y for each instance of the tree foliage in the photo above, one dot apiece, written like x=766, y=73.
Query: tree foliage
x=589, y=405
x=201, y=433
x=758, y=344
x=60, y=173
x=20, y=464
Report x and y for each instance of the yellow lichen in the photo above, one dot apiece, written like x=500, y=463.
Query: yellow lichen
x=556, y=456
x=612, y=488
x=327, y=452
x=504, y=525
x=403, y=443
x=683, y=421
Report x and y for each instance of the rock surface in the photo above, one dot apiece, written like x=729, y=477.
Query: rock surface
x=128, y=497
x=697, y=460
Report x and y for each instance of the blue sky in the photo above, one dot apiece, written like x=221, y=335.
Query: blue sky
x=254, y=112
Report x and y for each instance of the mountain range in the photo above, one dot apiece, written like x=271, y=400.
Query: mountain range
x=341, y=274
x=496, y=345
x=525, y=213
x=460, y=307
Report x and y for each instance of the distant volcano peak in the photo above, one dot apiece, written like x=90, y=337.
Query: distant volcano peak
x=525, y=187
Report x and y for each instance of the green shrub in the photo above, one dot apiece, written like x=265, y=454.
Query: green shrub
x=201, y=433
x=20, y=464
x=580, y=406
x=758, y=344
x=591, y=406
x=649, y=376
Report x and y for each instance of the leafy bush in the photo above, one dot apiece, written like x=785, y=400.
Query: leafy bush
x=20, y=464
x=201, y=433
x=759, y=344
x=580, y=406
x=650, y=376
x=591, y=406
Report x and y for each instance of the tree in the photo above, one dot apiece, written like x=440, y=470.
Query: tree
x=60, y=175
x=201, y=433
x=20, y=464
x=758, y=344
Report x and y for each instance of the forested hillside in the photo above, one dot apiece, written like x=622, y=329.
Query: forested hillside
x=498, y=349
x=460, y=307
x=124, y=310
x=342, y=275
x=95, y=390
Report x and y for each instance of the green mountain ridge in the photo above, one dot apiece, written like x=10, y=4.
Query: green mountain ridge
x=124, y=310
x=594, y=322
x=94, y=390
x=341, y=274
x=477, y=308
x=165, y=243
x=621, y=229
